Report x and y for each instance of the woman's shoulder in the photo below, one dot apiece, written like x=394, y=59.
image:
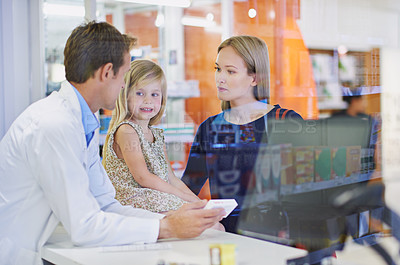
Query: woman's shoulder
x=204, y=128
x=280, y=113
x=212, y=118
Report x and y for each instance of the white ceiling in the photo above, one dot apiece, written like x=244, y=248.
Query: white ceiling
x=58, y=28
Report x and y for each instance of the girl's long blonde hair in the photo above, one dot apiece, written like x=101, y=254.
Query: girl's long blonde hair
x=141, y=74
x=254, y=52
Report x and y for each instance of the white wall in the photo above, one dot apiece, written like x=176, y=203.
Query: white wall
x=15, y=82
x=37, y=50
x=390, y=65
x=2, y=99
x=174, y=41
x=21, y=78
x=357, y=24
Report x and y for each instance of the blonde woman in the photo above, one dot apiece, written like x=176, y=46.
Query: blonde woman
x=242, y=76
x=134, y=154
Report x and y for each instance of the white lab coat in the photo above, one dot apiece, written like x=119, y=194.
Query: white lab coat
x=48, y=174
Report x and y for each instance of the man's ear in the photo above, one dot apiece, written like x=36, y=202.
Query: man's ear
x=106, y=71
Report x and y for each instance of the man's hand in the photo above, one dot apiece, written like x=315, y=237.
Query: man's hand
x=189, y=221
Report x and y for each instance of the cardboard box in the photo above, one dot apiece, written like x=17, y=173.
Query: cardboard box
x=322, y=163
x=262, y=170
x=303, y=154
x=304, y=172
x=276, y=164
x=287, y=166
x=353, y=160
x=371, y=161
x=364, y=161
x=303, y=164
x=339, y=162
x=274, y=167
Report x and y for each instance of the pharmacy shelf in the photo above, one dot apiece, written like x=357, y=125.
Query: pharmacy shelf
x=327, y=184
x=331, y=105
x=259, y=198
x=178, y=132
x=179, y=138
x=273, y=195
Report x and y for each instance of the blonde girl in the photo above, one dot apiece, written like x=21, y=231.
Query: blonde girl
x=134, y=154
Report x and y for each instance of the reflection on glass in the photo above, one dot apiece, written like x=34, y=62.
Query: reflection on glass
x=323, y=158
x=289, y=184
x=60, y=18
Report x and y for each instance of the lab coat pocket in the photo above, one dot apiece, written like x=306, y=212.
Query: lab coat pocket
x=7, y=251
x=11, y=254
x=26, y=256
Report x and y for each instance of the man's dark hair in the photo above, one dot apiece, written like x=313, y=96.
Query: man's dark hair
x=349, y=99
x=91, y=46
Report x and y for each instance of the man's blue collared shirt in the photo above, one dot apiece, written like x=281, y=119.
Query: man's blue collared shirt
x=89, y=120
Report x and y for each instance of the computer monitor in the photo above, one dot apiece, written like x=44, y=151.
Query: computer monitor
x=319, y=159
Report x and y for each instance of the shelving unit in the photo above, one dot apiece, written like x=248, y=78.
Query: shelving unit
x=292, y=189
x=327, y=184
x=333, y=70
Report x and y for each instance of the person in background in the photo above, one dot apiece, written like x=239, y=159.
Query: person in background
x=50, y=169
x=356, y=104
x=242, y=74
x=134, y=153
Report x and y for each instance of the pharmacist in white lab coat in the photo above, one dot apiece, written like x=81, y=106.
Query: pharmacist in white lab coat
x=50, y=169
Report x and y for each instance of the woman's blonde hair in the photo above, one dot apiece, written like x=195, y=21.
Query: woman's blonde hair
x=254, y=52
x=141, y=74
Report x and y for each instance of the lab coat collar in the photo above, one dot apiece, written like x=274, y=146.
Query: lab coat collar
x=89, y=120
x=68, y=93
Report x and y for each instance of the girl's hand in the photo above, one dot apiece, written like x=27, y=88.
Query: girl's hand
x=191, y=197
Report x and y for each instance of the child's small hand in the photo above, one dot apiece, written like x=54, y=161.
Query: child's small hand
x=195, y=198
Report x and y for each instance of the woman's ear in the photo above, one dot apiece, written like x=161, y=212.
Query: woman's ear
x=254, y=82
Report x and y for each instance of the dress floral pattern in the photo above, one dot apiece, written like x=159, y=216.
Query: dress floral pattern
x=128, y=191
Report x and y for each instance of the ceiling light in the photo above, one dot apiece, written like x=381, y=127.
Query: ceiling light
x=342, y=50
x=197, y=22
x=137, y=52
x=272, y=14
x=252, y=13
x=176, y=3
x=210, y=16
x=159, y=20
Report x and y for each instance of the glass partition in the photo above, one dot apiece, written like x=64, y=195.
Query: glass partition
x=60, y=18
x=317, y=182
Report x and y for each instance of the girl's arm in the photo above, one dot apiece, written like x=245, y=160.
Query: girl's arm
x=177, y=182
x=131, y=151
